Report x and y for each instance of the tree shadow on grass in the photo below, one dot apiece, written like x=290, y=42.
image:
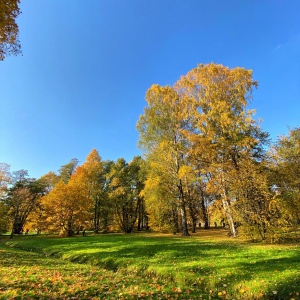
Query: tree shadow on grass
x=200, y=266
x=263, y=277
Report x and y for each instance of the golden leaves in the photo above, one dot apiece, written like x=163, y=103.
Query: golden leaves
x=67, y=203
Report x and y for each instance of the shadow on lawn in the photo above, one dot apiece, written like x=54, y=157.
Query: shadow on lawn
x=265, y=272
x=162, y=257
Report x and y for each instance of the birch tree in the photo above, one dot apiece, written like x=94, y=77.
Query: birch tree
x=218, y=98
x=161, y=137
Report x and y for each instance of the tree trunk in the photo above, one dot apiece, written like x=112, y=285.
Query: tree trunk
x=184, y=226
x=193, y=215
x=18, y=225
x=175, y=219
x=206, y=220
x=69, y=228
x=96, y=217
x=105, y=221
x=185, y=231
x=18, y=228
x=204, y=211
x=140, y=214
x=226, y=207
x=194, y=226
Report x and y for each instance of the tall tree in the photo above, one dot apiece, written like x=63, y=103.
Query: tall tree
x=95, y=181
x=66, y=171
x=160, y=198
x=161, y=137
x=5, y=178
x=9, y=30
x=286, y=159
x=106, y=207
x=217, y=98
x=4, y=220
x=125, y=188
x=36, y=220
x=137, y=176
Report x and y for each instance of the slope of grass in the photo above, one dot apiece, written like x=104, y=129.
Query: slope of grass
x=207, y=265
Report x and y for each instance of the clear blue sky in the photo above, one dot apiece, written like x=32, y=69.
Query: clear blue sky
x=86, y=66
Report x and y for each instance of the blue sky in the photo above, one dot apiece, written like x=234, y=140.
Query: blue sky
x=87, y=65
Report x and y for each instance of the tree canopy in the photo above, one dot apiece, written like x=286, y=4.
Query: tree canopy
x=9, y=30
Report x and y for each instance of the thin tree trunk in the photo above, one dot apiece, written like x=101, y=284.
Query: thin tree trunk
x=12, y=234
x=140, y=214
x=174, y=219
x=184, y=226
x=204, y=210
x=185, y=231
x=96, y=217
x=226, y=207
x=194, y=226
x=193, y=216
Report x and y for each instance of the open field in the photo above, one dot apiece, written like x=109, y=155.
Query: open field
x=207, y=265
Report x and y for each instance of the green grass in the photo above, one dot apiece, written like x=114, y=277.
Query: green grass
x=207, y=265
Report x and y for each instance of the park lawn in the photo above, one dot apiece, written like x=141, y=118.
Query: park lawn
x=207, y=265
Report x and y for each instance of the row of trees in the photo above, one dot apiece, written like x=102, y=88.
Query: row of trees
x=205, y=159
x=95, y=195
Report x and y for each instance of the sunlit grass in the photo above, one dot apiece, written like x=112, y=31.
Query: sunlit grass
x=207, y=265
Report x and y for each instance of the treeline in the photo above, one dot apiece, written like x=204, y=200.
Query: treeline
x=96, y=195
x=206, y=160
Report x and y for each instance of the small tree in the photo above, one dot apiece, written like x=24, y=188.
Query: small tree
x=67, y=206
x=125, y=192
x=21, y=199
x=253, y=196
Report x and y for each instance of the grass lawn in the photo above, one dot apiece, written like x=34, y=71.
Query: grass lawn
x=207, y=265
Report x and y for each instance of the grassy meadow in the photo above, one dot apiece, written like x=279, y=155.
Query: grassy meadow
x=207, y=265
